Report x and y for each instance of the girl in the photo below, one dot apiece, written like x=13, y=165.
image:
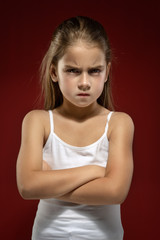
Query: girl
x=77, y=157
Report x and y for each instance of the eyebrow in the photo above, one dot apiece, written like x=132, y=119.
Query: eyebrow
x=96, y=66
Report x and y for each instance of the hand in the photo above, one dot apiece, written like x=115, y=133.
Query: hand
x=95, y=171
x=100, y=171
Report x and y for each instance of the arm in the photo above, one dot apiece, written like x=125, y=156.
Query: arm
x=114, y=186
x=32, y=181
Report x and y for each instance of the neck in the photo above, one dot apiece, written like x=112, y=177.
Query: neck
x=79, y=113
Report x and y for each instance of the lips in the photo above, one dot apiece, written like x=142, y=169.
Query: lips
x=83, y=94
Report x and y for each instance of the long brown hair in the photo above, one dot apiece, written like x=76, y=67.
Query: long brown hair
x=66, y=34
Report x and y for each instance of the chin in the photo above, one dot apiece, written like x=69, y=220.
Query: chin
x=83, y=105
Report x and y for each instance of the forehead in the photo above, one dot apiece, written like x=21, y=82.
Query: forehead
x=81, y=54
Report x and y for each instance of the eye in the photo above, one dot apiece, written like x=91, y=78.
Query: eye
x=73, y=70
x=94, y=71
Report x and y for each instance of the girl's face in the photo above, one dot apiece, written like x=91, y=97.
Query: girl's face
x=81, y=74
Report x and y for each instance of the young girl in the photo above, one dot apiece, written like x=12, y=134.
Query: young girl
x=76, y=155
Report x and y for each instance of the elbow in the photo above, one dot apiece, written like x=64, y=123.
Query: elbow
x=119, y=199
x=25, y=194
x=28, y=186
x=25, y=191
x=119, y=195
x=115, y=195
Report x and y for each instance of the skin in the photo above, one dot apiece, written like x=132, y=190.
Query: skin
x=81, y=74
x=82, y=70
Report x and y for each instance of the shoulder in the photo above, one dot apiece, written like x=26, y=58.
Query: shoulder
x=121, y=118
x=35, y=125
x=35, y=118
x=120, y=123
x=35, y=115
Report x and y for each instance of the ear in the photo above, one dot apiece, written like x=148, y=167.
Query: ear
x=107, y=71
x=53, y=73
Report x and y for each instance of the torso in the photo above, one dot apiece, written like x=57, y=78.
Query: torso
x=101, y=222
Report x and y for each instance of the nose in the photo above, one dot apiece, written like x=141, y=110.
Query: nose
x=84, y=83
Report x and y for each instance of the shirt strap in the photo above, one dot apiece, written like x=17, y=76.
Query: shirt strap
x=51, y=121
x=108, y=118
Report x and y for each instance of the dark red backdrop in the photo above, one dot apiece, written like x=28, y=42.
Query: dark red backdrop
x=133, y=28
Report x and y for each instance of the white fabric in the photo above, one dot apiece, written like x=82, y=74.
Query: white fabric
x=61, y=220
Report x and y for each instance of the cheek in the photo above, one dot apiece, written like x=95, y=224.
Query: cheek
x=99, y=84
x=66, y=84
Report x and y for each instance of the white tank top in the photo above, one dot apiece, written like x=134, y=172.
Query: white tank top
x=57, y=219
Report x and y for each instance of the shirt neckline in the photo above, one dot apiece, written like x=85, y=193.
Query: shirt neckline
x=104, y=135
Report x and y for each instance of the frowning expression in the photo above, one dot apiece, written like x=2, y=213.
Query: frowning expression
x=81, y=74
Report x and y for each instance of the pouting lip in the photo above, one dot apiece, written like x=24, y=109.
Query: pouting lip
x=83, y=94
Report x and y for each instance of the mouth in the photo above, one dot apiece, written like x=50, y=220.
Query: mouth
x=83, y=94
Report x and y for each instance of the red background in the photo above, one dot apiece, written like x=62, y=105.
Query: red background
x=133, y=29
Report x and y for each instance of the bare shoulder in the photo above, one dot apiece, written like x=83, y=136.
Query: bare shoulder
x=35, y=125
x=120, y=123
x=36, y=115
x=36, y=119
x=121, y=118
